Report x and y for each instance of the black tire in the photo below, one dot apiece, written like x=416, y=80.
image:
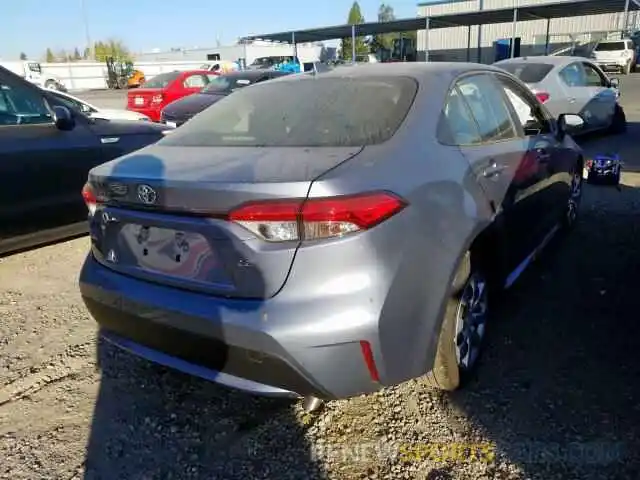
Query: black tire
x=448, y=373
x=618, y=122
x=626, y=70
x=50, y=85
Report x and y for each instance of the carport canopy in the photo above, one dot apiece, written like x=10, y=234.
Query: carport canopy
x=549, y=11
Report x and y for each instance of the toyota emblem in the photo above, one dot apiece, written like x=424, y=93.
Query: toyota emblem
x=147, y=195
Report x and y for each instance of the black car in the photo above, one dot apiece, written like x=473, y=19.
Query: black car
x=47, y=150
x=178, y=112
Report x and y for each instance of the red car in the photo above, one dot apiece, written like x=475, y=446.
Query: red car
x=163, y=89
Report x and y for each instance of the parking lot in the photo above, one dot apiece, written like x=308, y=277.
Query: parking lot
x=557, y=393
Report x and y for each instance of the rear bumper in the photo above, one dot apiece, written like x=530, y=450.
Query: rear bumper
x=269, y=347
x=611, y=64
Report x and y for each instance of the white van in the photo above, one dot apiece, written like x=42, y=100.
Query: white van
x=32, y=72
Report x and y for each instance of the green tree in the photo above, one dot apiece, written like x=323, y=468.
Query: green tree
x=49, y=56
x=86, y=54
x=383, y=40
x=355, y=18
x=23, y=56
x=110, y=48
x=76, y=54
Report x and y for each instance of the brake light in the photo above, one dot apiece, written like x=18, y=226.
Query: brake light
x=542, y=96
x=90, y=198
x=157, y=98
x=316, y=218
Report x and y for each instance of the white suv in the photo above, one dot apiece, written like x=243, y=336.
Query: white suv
x=619, y=55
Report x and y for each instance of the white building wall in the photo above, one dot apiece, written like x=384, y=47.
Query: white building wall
x=451, y=43
x=306, y=53
x=93, y=75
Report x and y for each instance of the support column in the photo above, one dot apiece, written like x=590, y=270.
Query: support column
x=469, y=43
x=479, y=52
x=426, y=39
x=514, y=32
x=353, y=44
x=295, y=45
x=625, y=19
x=546, y=42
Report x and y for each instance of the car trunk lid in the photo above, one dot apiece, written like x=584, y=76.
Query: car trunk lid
x=144, y=97
x=163, y=214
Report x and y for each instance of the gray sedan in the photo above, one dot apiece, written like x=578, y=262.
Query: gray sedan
x=572, y=85
x=324, y=236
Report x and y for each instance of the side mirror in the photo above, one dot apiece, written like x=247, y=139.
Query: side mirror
x=569, y=123
x=63, y=118
x=614, y=83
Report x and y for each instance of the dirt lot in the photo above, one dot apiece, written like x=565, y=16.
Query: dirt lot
x=558, y=396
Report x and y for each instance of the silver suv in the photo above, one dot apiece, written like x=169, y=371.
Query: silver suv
x=616, y=55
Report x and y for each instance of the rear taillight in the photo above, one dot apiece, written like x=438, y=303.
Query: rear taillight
x=90, y=198
x=542, y=96
x=157, y=98
x=316, y=218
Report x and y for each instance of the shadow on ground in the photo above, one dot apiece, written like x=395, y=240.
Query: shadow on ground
x=562, y=356
x=152, y=422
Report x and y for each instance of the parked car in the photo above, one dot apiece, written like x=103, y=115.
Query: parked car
x=161, y=90
x=572, y=85
x=618, y=55
x=323, y=236
x=95, y=112
x=47, y=149
x=179, y=111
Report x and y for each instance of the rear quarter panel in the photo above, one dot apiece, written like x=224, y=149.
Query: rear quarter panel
x=412, y=257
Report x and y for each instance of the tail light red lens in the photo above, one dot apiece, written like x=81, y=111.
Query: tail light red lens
x=316, y=218
x=90, y=198
x=542, y=96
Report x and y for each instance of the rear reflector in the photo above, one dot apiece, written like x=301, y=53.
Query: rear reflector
x=367, y=354
x=316, y=218
x=542, y=96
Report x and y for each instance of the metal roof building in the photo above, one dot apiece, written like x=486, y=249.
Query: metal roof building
x=469, y=29
x=460, y=43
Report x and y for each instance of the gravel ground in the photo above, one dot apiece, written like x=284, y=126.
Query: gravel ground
x=557, y=396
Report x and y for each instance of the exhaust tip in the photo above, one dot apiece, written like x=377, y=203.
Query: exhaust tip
x=311, y=404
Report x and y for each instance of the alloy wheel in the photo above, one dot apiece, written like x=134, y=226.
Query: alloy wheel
x=574, y=197
x=471, y=319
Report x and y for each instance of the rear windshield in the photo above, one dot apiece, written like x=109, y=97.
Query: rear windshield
x=227, y=83
x=306, y=112
x=161, y=81
x=610, y=46
x=527, y=72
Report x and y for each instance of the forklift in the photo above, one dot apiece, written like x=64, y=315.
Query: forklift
x=118, y=73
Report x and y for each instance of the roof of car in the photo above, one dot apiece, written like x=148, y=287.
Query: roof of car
x=417, y=70
x=549, y=60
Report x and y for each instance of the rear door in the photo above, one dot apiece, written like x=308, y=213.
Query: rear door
x=497, y=159
x=37, y=160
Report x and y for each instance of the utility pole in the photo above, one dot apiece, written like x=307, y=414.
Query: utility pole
x=85, y=18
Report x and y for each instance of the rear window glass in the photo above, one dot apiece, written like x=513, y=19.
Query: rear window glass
x=527, y=72
x=610, y=46
x=227, y=83
x=304, y=112
x=161, y=81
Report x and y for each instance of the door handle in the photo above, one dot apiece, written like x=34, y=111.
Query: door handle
x=571, y=100
x=493, y=170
